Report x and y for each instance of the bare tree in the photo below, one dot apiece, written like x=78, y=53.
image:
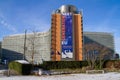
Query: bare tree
x=32, y=45
x=95, y=52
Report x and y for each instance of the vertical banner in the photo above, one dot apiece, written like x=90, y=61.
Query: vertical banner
x=67, y=36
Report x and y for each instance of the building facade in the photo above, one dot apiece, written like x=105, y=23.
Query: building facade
x=66, y=34
x=103, y=39
x=64, y=41
x=13, y=47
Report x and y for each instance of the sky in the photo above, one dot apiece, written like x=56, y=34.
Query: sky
x=98, y=16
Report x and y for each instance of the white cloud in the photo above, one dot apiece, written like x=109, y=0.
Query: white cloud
x=8, y=26
x=5, y=24
x=36, y=23
x=100, y=28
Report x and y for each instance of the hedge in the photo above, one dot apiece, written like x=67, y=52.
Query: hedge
x=78, y=64
x=64, y=64
x=22, y=69
x=112, y=64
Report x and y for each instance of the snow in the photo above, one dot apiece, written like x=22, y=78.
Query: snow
x=22, y=61
x=106, y=76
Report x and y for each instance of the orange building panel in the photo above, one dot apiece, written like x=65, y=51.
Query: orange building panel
x=56, y=39
x=78, y=44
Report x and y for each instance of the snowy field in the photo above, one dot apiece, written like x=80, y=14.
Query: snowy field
x=106, y=76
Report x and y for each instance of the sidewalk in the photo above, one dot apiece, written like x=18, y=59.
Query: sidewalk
x=106, y=76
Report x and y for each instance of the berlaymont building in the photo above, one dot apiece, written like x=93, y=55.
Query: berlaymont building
x=64, y=41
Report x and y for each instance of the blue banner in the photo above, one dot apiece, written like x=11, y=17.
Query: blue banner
x=67, y=38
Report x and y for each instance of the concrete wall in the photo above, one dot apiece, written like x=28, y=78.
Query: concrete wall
x=13, y=47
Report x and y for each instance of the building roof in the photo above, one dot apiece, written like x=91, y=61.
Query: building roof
x=22, y=61
x=100, y=33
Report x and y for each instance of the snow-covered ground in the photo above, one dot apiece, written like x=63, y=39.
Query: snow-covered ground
x=106, y=76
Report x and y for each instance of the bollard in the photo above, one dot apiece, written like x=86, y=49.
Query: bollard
x=40, y=72
x=8, y=73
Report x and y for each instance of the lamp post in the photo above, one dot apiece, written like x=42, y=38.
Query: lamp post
x=24, y=45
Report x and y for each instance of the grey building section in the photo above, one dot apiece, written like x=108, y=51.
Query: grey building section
x=102, y=38
x=13, y=47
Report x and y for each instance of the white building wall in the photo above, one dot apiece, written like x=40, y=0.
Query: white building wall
x=14, y=45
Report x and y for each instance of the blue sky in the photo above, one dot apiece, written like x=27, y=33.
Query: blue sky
x=98, y=15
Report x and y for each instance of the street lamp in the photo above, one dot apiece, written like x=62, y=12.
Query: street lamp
x=24, y=45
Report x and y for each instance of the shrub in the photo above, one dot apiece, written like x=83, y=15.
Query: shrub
x=112, y=64
x=117, y=64
x=22, y=69
x=64, y=64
